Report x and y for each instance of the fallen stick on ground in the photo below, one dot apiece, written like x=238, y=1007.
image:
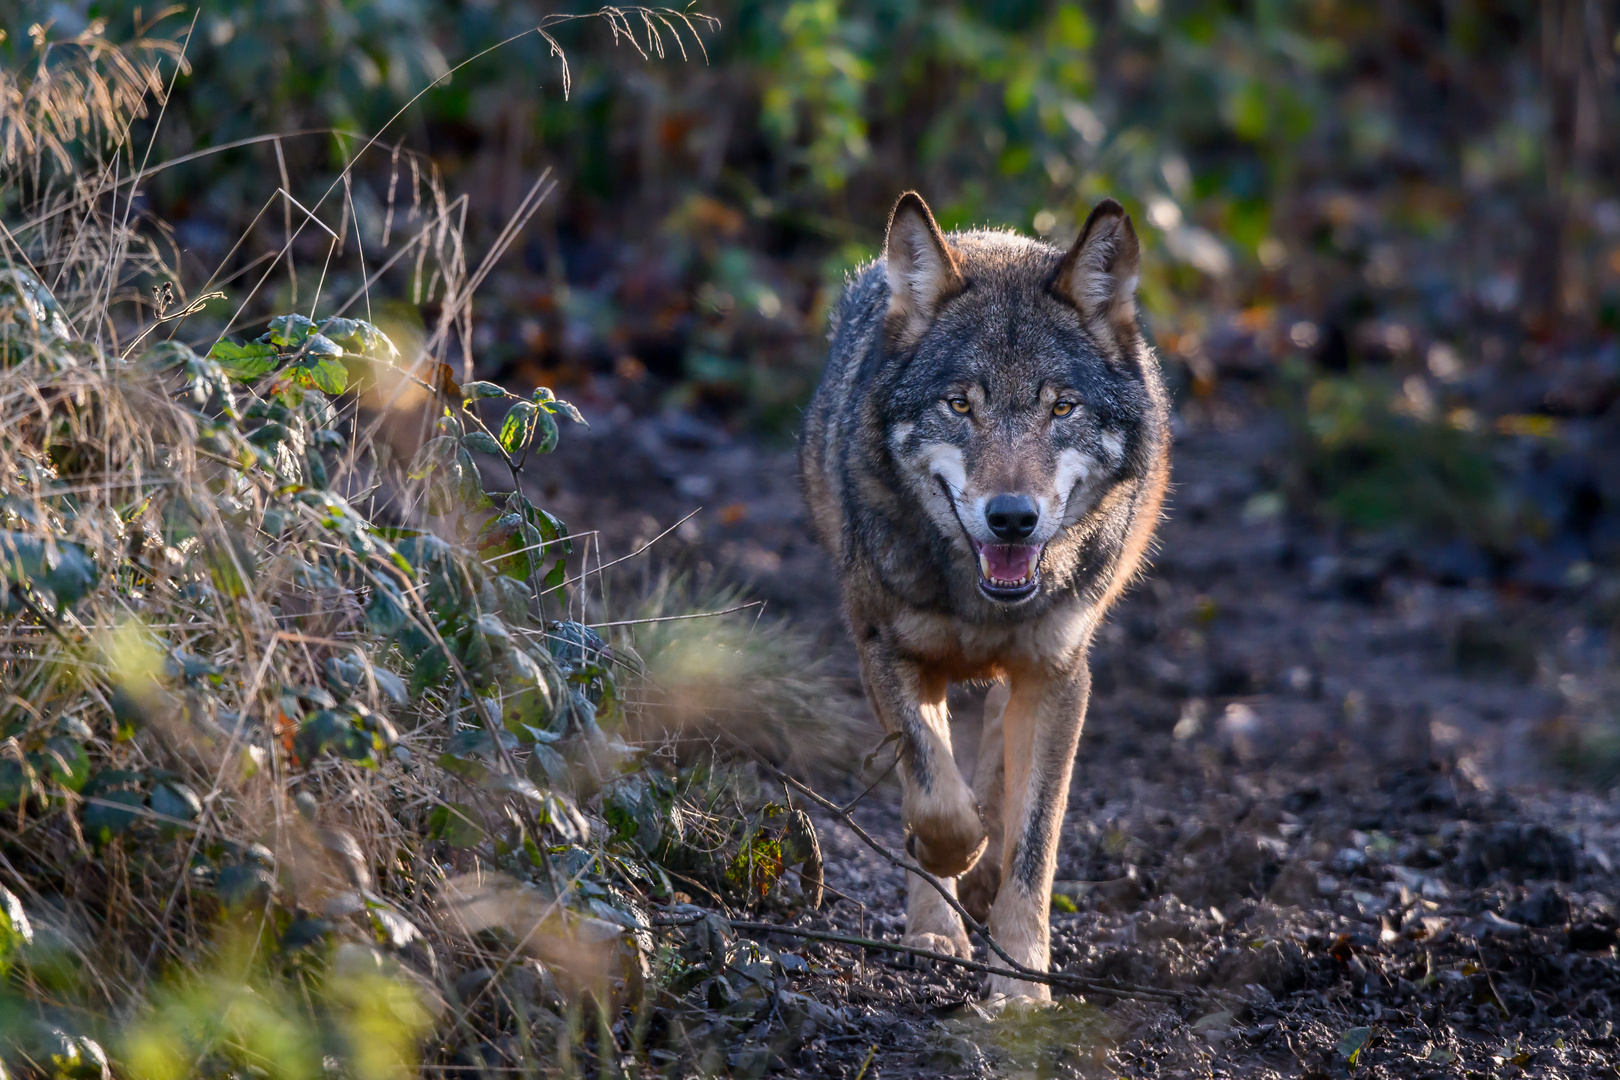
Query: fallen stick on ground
x=1054, y=978
x=1017, y=970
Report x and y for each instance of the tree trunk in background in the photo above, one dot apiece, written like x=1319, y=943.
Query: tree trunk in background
x=1562, y=24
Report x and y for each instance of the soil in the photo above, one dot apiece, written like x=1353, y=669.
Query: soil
x=1316, y=795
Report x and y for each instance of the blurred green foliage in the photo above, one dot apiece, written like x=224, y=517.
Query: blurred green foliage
x=998, y=111
x=1374, y=469
x=1445, y=170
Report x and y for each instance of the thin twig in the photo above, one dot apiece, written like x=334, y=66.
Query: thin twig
x=626, y=558
x=1019, y=971
x=1060, y=979
x=672, y=618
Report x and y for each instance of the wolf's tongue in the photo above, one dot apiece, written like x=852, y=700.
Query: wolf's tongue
x=1009, y=562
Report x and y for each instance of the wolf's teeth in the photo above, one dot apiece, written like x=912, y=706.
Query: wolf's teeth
x=984, y=567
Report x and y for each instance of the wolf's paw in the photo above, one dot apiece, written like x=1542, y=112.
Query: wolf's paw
x=956, y=945
x=947, y=835
x=1012, y=995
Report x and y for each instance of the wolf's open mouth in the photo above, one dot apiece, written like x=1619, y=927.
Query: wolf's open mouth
x=1008, y=571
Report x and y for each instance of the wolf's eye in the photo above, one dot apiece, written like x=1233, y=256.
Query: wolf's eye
x=1063, y=408
x=960, y=405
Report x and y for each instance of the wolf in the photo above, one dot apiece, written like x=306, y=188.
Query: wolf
x=986, y=459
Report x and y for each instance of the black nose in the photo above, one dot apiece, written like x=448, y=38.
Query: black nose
x=1011, y=517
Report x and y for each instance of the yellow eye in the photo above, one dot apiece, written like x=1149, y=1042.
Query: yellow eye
x=960, y=405
x=1063, y=408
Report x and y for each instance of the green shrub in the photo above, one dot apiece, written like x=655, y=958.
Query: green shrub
x=308, y=758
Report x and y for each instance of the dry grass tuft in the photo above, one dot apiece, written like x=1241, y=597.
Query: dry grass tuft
x=293, y=767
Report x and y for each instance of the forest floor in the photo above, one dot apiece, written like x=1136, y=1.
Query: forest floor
x=1316, y=795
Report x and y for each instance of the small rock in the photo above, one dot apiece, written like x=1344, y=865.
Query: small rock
x=1542, y=908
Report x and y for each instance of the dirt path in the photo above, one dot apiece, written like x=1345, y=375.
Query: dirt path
x=1313, y=793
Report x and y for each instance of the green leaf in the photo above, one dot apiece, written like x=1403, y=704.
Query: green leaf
x=65, y=761
x=329, y=731
x=268, y=436
x=471, y=491
x=359, y=336
x=480, y=442
x=475, y=390
x=290, y=331
x=469, y=753
x=164, y=355
x=1354, y=1041
x=244, y=362
x=173, y=799
x=518, y=427
x=546, y=766
x=511, y=544
x=323, y=372
x=343, y=331
x=232, y=565
x=564, y=817
x=545, y=438
x=315, y=471
x=449, y=424
x=545, y=400
x=431, y=668
x=386, y=613
x=343, y=676
x=245, y=885
x=513, y=596
x=321, y=345
x=61, y=570
x=456, y=824
x=16, y=932
x=18, y=781
x=102, y=822
x=556, y=576
x=74, y=1057
x=391, y=685
x=632, y=816
x=302, y=933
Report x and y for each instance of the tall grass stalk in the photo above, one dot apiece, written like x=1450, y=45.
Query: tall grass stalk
x=300, y=772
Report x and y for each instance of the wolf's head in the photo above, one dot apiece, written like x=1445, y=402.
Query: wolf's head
x=1022, y=400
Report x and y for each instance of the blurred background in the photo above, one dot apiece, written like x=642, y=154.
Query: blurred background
x=1397, y=224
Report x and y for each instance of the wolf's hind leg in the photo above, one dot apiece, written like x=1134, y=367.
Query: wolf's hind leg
x=978, y=886
x=1041, y=730
x=946, y=832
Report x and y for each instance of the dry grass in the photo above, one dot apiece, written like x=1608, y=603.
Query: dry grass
x=209, y=885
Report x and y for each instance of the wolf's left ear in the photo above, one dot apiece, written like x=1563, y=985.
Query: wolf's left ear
x=1098, y=275
x=922, y=271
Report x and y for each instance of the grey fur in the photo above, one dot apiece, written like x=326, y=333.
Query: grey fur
x=962, y=367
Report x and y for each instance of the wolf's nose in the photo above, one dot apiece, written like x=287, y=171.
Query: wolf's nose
x=1011, y=517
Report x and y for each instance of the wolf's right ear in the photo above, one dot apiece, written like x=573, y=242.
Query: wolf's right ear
x=1098, y=275
x=922, y=271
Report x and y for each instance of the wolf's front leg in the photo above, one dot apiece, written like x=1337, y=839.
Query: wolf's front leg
x=1041, y=731
x=977, y=888
x=931, y=922
x=946, y=832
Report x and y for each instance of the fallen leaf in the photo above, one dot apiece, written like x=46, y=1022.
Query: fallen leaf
x=1354, y=1041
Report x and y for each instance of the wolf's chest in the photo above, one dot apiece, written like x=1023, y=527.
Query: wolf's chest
x=973, y=650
